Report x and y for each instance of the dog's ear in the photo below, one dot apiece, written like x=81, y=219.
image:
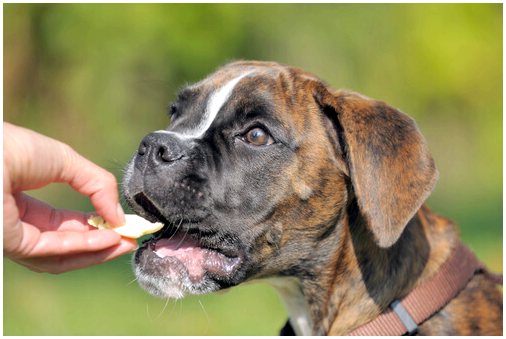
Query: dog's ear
x=391, y=170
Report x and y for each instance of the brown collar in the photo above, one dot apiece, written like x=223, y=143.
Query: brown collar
x=404, y=316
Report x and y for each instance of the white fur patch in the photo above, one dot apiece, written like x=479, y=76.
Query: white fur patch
x=290, y=291
x=216, y=101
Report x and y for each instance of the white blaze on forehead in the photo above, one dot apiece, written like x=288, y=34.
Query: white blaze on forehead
x=216, y=101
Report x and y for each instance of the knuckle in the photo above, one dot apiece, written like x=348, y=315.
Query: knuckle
x=68, y=160
x=111, y=179
x=105, y=182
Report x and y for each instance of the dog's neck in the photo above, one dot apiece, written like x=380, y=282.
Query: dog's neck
x=357, y=284
x=291, y=292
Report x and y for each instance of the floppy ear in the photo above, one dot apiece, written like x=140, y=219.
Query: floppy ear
x=391, y=170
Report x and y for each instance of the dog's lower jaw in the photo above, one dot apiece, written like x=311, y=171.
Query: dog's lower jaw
x=157, y=288
x=176, y=266
x=171, y=287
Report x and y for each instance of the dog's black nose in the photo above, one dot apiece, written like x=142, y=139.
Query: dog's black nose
x=162, y=148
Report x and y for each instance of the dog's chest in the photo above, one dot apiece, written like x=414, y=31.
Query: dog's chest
x=290, y=291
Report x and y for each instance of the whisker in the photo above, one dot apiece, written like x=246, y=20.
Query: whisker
x=173, y=308
x=131, y=282
x=177, y=229
x=205, y=313
x=163, y=309
x=182, y=240
x=147, y=312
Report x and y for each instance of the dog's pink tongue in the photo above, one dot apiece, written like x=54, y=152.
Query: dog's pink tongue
x=185, y=250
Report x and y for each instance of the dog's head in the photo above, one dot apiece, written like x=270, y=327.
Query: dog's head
x=258, y=167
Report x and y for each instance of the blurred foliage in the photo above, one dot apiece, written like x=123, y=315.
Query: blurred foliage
x=99, y=77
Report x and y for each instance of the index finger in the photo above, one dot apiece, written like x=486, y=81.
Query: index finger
x=96, y=183
x=35, y=160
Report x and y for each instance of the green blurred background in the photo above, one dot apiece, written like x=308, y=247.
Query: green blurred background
x=99, y=77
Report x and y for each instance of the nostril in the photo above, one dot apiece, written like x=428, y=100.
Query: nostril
x=159, y=149
x=164, y=154
x=142, y=148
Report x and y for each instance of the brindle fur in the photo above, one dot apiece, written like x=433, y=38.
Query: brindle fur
x=347, y=217
x=354, y=283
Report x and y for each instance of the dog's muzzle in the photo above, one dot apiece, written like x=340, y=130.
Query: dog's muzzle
x=159, y=149
x=189, y=255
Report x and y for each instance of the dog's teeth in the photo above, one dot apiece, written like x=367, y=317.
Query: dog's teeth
x=135, y=226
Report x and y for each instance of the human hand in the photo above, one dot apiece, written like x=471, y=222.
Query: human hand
x=41, y=237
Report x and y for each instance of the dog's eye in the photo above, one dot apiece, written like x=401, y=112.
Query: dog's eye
x=258, y=137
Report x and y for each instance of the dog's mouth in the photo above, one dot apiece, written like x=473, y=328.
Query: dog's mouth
x=181, y=251
x=189, y=253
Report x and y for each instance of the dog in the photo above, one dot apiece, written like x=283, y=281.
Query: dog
x=265, y=172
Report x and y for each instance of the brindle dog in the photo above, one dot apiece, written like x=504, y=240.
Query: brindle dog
x=267, y=173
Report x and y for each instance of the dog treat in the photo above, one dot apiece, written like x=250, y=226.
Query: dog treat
x=134, y=228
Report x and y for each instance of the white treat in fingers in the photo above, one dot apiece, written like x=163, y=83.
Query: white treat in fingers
x=134, y=228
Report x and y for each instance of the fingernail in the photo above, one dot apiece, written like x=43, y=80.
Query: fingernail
x=121, y=214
